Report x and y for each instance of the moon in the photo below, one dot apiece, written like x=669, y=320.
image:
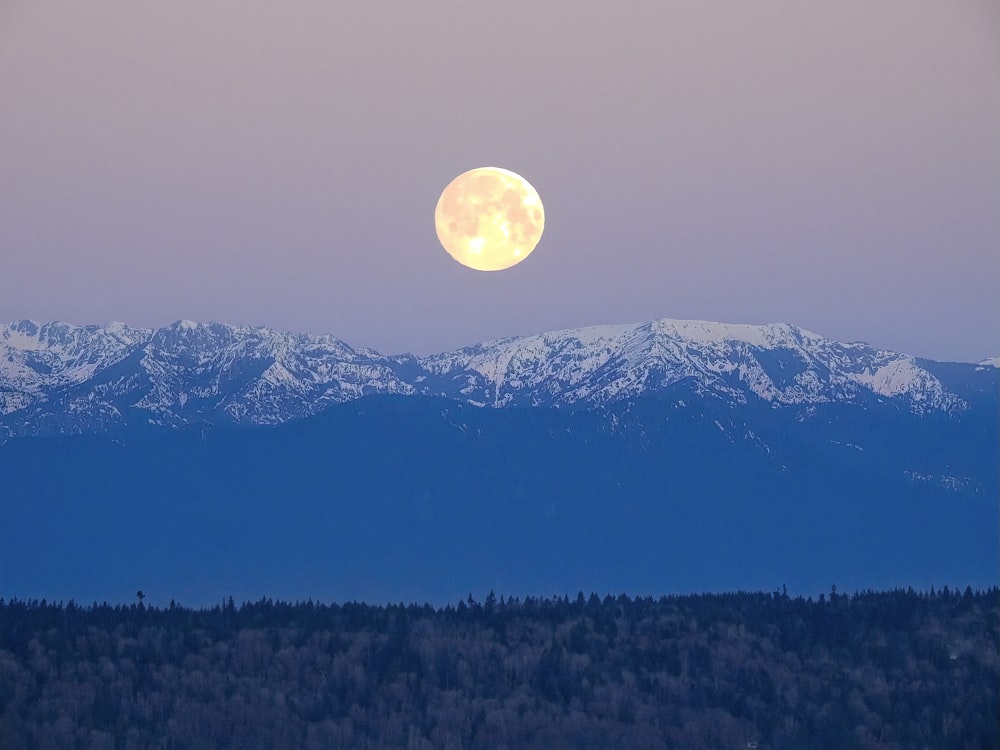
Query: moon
x=489, y=218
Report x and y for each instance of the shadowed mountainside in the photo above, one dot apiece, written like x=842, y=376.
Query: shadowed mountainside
x=388, y=498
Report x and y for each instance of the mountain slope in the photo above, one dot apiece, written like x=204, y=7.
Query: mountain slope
x=57, y=378
x=778, y=363
x=416, y=498
x=665, y=456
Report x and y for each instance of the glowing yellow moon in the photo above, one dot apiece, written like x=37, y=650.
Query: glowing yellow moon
x=489, y=218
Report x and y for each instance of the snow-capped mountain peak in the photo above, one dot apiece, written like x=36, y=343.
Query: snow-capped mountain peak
x=779, y=363
x=57, y=377
x=36, y=358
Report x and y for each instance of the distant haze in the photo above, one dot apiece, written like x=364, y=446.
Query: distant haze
x=831, y=164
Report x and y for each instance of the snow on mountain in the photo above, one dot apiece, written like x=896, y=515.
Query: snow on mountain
x=255, y=375
x=64, y=378
x=778, y=363
x=39, y=358
x=56, y=377
x=990, y=362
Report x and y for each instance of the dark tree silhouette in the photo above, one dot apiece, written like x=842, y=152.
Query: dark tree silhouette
x=870, y=670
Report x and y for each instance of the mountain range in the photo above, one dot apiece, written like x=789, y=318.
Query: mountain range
x=57, y=378
x=199, y=461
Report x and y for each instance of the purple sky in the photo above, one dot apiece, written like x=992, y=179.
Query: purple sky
x=830, y=164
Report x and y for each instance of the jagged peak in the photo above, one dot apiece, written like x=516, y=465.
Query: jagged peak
x=258, y=374
x=261, y=332
x=26, y=335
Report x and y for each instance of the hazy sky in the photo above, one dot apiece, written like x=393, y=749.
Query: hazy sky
x=831, y=164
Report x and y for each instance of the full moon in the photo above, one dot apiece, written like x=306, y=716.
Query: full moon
x=489, y=218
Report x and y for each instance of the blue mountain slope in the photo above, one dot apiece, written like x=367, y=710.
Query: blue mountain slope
x=203, y=460
x=418, y=498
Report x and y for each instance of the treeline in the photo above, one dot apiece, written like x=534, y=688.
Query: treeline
x=877, y=669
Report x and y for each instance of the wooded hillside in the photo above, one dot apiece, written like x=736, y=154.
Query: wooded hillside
x=878, y=669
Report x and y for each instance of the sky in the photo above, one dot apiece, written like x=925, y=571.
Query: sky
x=833, y=164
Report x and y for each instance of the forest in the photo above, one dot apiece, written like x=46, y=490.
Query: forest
x=888, y=669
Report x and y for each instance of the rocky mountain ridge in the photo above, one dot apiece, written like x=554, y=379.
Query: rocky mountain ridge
x=58, y=378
